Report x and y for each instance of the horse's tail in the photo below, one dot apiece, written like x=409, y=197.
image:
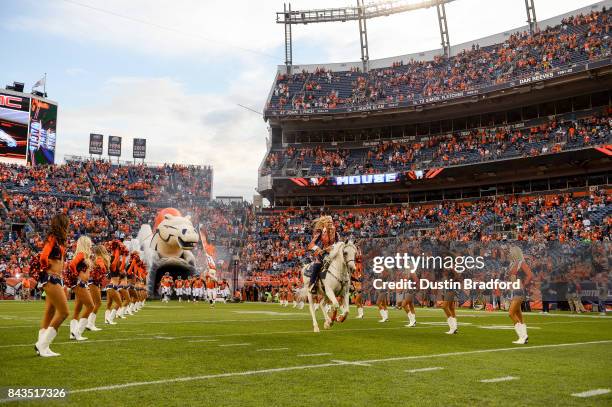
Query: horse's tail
x=302, y=294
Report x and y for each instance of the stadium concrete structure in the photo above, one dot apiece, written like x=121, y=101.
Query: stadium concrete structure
x=578, y=88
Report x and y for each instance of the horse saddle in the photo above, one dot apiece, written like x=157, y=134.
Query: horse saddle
x=308, y=270
x=322, y=273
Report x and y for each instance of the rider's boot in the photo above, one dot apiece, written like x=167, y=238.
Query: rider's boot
x=312, y=286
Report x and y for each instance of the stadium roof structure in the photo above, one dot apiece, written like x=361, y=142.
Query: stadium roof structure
x=471, y=95
x=365, y=11
x=455, y=49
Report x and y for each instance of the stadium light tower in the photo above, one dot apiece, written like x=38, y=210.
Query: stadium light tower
x=361, y=12
x=531, y=15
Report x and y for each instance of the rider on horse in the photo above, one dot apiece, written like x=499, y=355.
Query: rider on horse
x=324, y=236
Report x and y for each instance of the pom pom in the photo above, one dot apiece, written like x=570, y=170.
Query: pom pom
x=36, y=268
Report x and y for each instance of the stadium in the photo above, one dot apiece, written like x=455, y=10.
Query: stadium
x=427, y=229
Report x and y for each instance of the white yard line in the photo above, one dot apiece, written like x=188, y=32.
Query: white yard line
x=316, y=366
x=473, y=352
x=221, y=321
x=499, y=379
x=299, y=317
x=305, y=355
x=503, y=327
x=204, y=340
x=564, y=322
x=234, y=344
x=425, y=369
x=461, y=312
x=344, y=362
x=201, y=321
x=270, y=349
x=591, y=393
x=153, y=336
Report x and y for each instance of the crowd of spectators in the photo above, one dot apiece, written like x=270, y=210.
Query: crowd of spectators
x=271, y=244
x=69, y=178
x=477, y=145
x=576, y=39
x=104, y=201
x=275, y=247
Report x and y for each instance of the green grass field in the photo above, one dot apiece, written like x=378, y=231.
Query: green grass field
x=181, y=354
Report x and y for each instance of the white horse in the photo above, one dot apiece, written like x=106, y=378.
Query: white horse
x=334, y=283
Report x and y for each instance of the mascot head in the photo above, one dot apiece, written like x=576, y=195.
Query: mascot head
x=177, y=230
x=162, y=213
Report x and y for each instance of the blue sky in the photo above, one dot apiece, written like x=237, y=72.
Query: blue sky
x=178, y=85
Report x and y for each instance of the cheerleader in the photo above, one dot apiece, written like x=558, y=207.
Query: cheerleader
x=407, y=303
x=48, y=268
x=290, y=296
x=518, y=264
x=113, y=300
x=359, y=299
x=99, y=270
x=143, y=283
x=131, y=275
x=123, y=285
x=383, y=300
x=138, y=286
x=357, y=286
x=448, y=302
x=78, y=275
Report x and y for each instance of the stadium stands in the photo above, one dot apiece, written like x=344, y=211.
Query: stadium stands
x=577, y=39
x=277, y=244
x=467, y=147
x=103, y=200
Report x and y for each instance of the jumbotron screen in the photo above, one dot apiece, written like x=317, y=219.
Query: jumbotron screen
x=43, y=125
x=14, y=122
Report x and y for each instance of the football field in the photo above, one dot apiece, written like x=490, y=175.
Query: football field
x=181, y=354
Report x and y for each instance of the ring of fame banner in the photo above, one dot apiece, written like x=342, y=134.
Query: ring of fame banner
x=114, y=146
x=139, y=149
x=96, y=144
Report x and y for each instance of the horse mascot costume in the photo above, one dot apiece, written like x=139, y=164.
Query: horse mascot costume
x=167, y=246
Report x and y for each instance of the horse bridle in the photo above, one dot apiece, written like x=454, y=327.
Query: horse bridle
x=342, y=282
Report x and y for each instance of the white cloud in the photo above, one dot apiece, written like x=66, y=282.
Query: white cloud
x=163, y=29
x=228, y=28
x=179, y=127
